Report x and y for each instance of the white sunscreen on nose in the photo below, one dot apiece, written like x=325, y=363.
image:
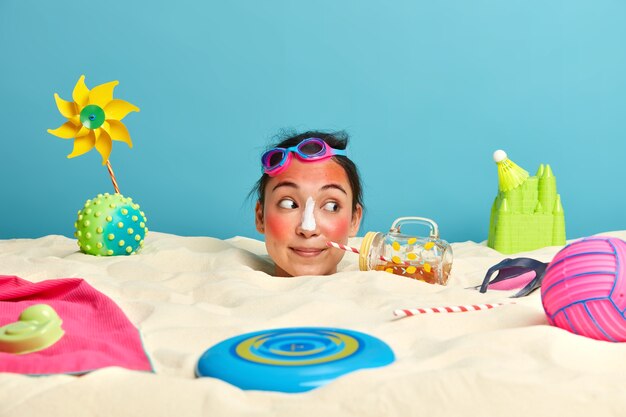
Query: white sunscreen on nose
x=308, y=220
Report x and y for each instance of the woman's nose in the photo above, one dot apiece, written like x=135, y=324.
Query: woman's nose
x=308, y=226
x=307, y=233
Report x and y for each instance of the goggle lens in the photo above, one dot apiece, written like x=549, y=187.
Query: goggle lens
x=311, y=147
x=273, y=158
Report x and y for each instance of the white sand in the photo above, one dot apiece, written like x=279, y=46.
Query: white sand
x=186, y=294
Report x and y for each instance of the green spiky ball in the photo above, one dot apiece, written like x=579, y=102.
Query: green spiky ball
x=109, y=225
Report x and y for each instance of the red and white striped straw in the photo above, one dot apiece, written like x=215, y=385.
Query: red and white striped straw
x=355, y=250
x=117, y=190
x=342, y=247
x=401, y=313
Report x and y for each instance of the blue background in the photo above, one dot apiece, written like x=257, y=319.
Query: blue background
x=427, y=91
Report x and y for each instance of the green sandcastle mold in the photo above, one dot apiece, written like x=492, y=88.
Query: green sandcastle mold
x=38, y=328
x=528, y=217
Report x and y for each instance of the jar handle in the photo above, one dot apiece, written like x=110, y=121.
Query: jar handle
x=434, y=229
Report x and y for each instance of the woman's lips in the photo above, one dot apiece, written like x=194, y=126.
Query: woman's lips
x=308, y=252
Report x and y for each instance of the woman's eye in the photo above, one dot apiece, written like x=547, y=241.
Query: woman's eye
x=331, y=206
x=287, y=203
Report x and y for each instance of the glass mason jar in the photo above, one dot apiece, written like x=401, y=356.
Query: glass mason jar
x=427, y=259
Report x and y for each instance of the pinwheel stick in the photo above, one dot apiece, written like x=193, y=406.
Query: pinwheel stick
x=113, y=180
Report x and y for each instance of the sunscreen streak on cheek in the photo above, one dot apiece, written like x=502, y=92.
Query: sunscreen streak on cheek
x=308, y=219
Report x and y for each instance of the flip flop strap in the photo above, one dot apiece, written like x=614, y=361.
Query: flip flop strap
x=529, y=263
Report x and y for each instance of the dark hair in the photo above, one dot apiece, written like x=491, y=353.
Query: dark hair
x=337, y=140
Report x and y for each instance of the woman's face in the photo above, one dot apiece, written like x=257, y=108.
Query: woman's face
x=307, y=205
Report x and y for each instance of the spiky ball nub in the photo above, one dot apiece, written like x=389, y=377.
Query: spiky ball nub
x=584, y=288
x=109, y=225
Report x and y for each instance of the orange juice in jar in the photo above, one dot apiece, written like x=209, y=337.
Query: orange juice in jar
x=427, y=259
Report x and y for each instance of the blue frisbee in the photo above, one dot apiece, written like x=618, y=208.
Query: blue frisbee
x=296, y=359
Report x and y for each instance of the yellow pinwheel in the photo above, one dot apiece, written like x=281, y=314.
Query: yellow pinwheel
x=94, y=119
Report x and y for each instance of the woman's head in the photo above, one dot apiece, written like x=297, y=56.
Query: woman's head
x=306, y=202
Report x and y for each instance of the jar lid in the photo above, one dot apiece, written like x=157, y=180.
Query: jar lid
x=364, y=252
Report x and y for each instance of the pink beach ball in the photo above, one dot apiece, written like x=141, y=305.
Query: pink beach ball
x=583, y=290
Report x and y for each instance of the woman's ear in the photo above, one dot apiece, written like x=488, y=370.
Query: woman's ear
x=357, y=214
x=258, y=217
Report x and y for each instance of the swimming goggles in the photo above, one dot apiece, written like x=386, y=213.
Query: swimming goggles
x=312, y=149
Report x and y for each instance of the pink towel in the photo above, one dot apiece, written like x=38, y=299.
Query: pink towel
x=97, y=333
